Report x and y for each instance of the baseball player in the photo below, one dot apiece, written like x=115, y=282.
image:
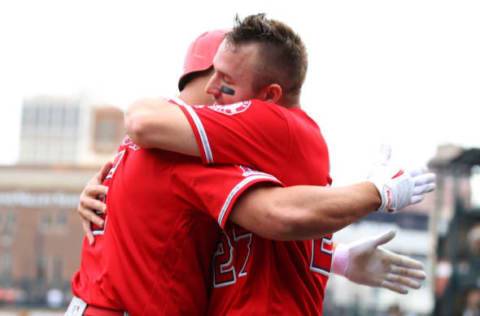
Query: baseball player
x=154, y=263
x=323, y=248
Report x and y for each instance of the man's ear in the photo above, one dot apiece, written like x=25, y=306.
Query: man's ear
x=271, y=93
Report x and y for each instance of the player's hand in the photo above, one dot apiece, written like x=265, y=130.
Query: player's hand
x=364, y=262
x=397, y=188
x=89, y=203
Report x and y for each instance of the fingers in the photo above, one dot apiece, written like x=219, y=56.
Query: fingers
x=422, y=189
x=90, y=216
x=105, y=170
x=419, y=192
x=405, y=271
x=424, y=182
x=88, y=232
x=426, y=178
x=400, y=279
x=394, y=287
x=94, y=190
x=403, y=281
x=410, y=273
x=89, y=203
x=400, y=273
x=417, y=199
x=418, y=171
x=384, y=238
x=404, y=261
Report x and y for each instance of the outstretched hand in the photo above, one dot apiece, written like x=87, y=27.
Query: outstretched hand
x=89, y=202
x=397, y=188
x=364, y=262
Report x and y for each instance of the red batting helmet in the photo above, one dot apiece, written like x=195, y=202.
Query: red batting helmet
x=200, y=54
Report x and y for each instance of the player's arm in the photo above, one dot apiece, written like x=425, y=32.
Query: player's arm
x=303, y=212
x=157, y=123
x=309, y=212
x=251, y=133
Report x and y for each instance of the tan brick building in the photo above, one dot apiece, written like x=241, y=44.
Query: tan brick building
x=64, y=141
x=40, y=232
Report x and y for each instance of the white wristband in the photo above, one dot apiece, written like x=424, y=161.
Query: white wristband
x=340, y=259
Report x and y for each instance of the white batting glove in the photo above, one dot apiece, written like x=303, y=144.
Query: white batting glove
x=397, y=188
x=363, y=262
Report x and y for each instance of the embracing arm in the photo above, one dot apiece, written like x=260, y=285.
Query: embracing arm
x=309, y=212
x=303, y=212
x=157, y=123
x=252, y=133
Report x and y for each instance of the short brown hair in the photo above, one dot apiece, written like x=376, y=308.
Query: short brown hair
x=283, y=52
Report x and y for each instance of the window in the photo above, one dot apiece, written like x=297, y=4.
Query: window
x=6, y=265
x=71, y=117
x=45, y=222
x=41, y=267
x=12, y=218
x=8, y=222
x=43, y=116
x=57, y=116
x=61, y=220
x=57, y=269
x=29, y=115
x=108, y=129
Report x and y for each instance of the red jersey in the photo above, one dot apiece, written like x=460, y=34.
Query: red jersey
x=153, y=256
x=253, y=275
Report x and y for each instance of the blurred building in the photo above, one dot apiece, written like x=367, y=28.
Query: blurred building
x=457, y=286
x=64, y=141
x=40, y=232
x=431, y=232
x=68, y=131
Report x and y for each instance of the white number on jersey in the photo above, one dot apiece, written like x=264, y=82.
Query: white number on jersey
x=322, y=250
x=228, y=253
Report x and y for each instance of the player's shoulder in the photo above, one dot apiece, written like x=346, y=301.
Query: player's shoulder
x=232, y=108
x=293, y=113
x=193, y=169
x=303, y=118
x=177, y=101
x=252, y=105
x=298, y=121
x=268, y=106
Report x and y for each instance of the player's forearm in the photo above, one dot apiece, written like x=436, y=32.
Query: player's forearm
x=144, y=123
x=317, y=211
x=159, y=124
x=304, y=212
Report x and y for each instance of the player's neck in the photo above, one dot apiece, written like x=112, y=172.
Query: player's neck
x=291, y=102
x=187, y=97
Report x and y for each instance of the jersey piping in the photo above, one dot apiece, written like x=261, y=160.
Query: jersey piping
x=202, y=134
x=236, y=189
